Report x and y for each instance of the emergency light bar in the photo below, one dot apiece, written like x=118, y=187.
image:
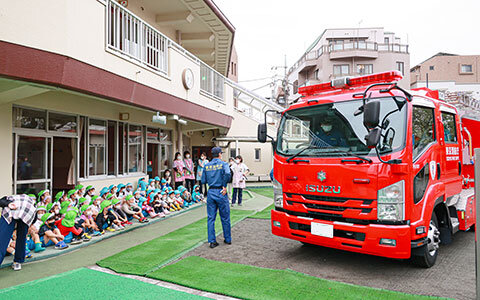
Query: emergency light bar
x=347, y=82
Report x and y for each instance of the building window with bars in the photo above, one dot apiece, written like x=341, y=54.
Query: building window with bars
x=341, y=70
x=363, y=69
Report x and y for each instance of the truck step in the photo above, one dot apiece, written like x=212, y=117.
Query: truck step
x=455, y=224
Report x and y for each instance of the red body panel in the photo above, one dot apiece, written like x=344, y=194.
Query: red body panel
x=349, y=192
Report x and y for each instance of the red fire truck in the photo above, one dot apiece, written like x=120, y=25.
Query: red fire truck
x=362, y=165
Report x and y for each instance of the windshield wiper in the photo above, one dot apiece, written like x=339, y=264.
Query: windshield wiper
x=355, y=155
x=311, y=146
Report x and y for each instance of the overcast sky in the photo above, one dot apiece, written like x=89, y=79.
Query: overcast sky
x=268, y=30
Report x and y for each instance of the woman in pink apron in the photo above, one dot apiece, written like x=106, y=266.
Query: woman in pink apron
x=189, y=173
x=178, y=170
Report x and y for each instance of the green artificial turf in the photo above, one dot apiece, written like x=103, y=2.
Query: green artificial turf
x=248, y=282
x=266, y=191
x=263, y=214
x=146, y=257
x=89, y=284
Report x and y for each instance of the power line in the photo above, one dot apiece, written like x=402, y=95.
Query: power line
x=258, y=79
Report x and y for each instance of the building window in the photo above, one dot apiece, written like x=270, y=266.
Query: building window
x=315, y=75
x=29, y=118
x=341, y=70
x=135, y=148
x=466, y=69
x=62, y=123
x=401, y=67
x=363, y=69
x=386, y=40
x=295, y=86
x=97, y=130
x=232, y=152
x=258, y=154
x=432, y=68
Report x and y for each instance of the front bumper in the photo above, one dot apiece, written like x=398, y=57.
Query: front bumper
x=347, y=236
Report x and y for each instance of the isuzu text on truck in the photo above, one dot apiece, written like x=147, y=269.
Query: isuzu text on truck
x=363, y=165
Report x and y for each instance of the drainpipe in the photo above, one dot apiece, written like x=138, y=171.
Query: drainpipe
x=236, y=147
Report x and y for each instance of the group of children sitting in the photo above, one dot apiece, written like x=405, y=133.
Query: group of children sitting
x=77, y=215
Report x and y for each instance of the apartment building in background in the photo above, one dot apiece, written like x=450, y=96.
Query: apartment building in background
x=350, y=52
x=82, y=81
x=456, y=77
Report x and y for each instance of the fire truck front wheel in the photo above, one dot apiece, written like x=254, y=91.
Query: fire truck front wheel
x=426, y=255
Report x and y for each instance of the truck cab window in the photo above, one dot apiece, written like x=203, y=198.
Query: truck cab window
x=423, y=129
x=449, y=128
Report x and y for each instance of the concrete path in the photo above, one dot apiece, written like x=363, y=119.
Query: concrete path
x=88, y=256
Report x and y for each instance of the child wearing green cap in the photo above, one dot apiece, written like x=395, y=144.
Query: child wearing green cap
x=35, y=227
x=106, y=217
x=44, y=197
x=67, y=225
x=60, y=197
x=118, y=212
x=88, y=222
x=50, y=232
x=89, y=193
x=131, y=209
x=80, y=190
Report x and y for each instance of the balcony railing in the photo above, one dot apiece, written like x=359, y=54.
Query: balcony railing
x=348, y=46
x=212, y=82
x=134, y=38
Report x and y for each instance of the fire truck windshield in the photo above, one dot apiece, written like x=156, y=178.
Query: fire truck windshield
x=332, y=129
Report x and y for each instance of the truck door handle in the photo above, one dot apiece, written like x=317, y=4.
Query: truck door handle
x=459, y=168
x=438, y=171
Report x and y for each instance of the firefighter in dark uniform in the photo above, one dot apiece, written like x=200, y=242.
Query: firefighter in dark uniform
x=217, y=174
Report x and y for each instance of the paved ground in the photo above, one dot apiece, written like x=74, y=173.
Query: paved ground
x=452, y=276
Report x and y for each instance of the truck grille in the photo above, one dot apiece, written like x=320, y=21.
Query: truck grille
x=331, y=208
x=358, y=236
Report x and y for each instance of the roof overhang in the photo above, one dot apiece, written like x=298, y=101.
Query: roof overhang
x=50, y=69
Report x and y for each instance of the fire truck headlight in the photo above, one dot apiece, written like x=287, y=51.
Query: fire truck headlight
x=391, y=202
x=277, y=193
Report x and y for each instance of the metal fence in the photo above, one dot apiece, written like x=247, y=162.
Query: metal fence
x=128, y=34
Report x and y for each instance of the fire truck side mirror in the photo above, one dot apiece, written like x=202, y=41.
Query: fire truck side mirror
x=262, y=132
x=373, y=137
x=371, y=114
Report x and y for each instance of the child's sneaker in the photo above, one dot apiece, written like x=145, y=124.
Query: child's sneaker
x=86, y=237
x=76, y=240
x=110, y=229
x=61, y=245
x=39, y=248
x=96, y=233
x=102, y=232
x=16, y=266
x=161, y=215
x=128, y=223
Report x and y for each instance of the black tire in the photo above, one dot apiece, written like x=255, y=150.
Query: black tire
x=421, y=256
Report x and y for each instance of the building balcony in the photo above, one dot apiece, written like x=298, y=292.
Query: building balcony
x=139, y=61
x=360, y=49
